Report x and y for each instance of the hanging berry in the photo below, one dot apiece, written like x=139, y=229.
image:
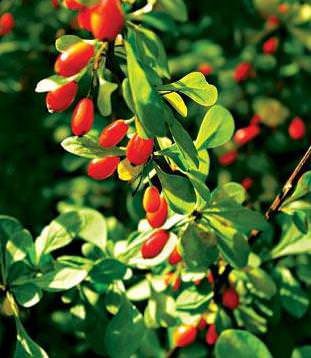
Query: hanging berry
x=155, y=244
x=174, y=257
x=73, y=5
x=211, y=335
x=151, y=199
x=297, y=128
x=62, y=97
x=158, y=218
x=139, y=150
x=184, y=335
x=242, y=71
x=228, y=158
x=244, y=135
x=230, y=298
x=270, y=46
x=82, y=117
x=100, y=169
x=113, y=133
x=7, y=23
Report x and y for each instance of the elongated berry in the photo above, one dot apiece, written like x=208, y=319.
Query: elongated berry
x=151, y=199
x=297, y=128
x=113, y=133
x=184, y=335
x=211, y=335
x=242, y=71
x=84, y=18
x=82, y=117
x=255, y=120
x=139, y=150
x=61, y=98
x=228, y=158
x=158, y=218
x=107, y=20
x=230, y=298
x=7, y=23
x=73, y=5
x=155, y=244
x=247, y=183
x=101, y=169
x=244, y=135
x=202, y=324
x=74, y=59
x=174, y=257
x=270, y=46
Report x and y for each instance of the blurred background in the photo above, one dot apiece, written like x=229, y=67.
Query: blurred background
x=37, y=177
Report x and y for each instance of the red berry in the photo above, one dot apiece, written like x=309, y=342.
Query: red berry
x=211, y=335
x=61, y=98
x=176, y=284
x=155, y=244
x=55, y=4
x=7, y=23
x=139, y=150
x=242, y=71
x=172, y=279
x=174, y=257
x=283, y=8
x=107, y=20
x=74, y=59
x=197, y=282
x=202, y=324
x=151, y=199
x=73, y=5
x=247, y=134
x=228, y=158
x=273, y=21
x=297, y=128
x=247, y=183
x=84, y=18
x=256, y=119
x=230, y=298
x=210, y=278
x=113, y=133
x=101, y=169
x=184, y=335
x=158, y=218
x=205, y=69
x=82, y=117
x=270, y=46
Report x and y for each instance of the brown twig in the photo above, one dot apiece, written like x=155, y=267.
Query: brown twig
x=287, y=188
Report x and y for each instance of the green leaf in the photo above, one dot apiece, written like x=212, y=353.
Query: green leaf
x=25, y=346
x=60, y=279
x=216, y=128
x=125, y=332
x=195, y=86
x=302, y=352
x=176, y=8
x=192, y=299
x=88, y=147
x=176, y=101
x=178, y=191
x=184, y=143
x=127, y=94
x=229, y=190
x=147, y=102
x=19, y=246
x=160, y=311
x=88, y=3
x=105, y=91
x=262, y=283
x=8, y=227
x=199, y=249
x=27, y=295
x=303, y=187
x=294, y=300
x=65, y=41
x=240, y=344
x=107, y=270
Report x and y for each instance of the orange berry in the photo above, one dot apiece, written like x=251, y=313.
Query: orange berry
x=113, y=133
x=100, y=169
x=158, y=218
x=61, y=98
x=205, y=69
x=184, y=335
x=82, y=117
x=151, y=199
x=139, y=150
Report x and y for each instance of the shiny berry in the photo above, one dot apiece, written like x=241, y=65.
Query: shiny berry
x=139, y=150
x=100, y=169
x=270, y=46
x=74, y=59
x=230, y=299
x=155, y=244
x=151, y=199
x=113, y=133
x=211, y=335
x=205, y=69
x=158, y=218
x=244, y=135
x=242, y=71
x=174, y=257
x=73, y=5
x=107, y=20
x=228, y=158
x=84, y=19
x=297, y=128
x=7, y=23
x=184, y=335
x=82, y=117
x=255, y=120
x=62, y=97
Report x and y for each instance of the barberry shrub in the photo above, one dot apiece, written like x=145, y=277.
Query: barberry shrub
x=202, y=267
